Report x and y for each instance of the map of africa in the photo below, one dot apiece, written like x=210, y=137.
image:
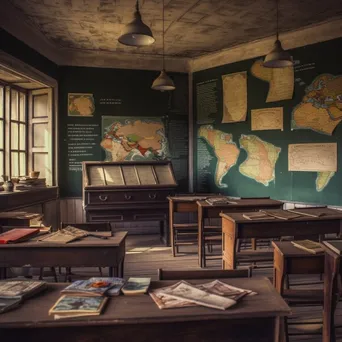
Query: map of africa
x=132, y=138
x=261, y=159
x=321, y=106
x=81, y=104
x=224, y=148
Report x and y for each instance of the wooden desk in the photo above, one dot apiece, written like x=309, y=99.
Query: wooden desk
x=332, y=282
x=235, y=226
x=137, y=318
x=206, y=210
x=87, y=252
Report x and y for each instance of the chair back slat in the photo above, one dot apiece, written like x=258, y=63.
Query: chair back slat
x=202, y=274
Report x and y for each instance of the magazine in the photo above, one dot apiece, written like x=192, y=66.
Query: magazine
x=222, y=289
x=96, y=286
x=136, y=286
x=187, y=292
x=21, y=288
x=75, y=306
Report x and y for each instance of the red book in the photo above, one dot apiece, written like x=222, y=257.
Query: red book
x=18, y=235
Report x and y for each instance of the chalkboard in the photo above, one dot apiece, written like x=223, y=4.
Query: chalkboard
x=310, y=62
x=86, y=95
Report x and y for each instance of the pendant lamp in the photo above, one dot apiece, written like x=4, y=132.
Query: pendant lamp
x=278, y=57
x=163, y=81
x=136, y=33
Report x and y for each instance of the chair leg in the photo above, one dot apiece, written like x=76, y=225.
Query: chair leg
x=41, y=271
x=100, y=270
x=53, y=270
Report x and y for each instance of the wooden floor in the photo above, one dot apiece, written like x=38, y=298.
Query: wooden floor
x=145, y=254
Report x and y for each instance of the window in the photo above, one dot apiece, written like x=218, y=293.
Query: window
x=17, y=131
x=2, y=131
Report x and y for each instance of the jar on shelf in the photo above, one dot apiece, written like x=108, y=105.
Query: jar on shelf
x=7, y=185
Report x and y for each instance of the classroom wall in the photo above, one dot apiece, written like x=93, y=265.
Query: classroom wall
x=22, y=51
x=118, y=93
x=310, y=62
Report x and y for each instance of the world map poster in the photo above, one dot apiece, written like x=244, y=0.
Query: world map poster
x=134, y=138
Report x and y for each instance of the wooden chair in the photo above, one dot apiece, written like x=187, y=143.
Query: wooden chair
x=203, y=274
x=90, y=227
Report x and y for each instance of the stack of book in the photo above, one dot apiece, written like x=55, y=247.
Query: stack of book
x=215, y=294
x=13, y=293
x=136, y=286
x=86, y=297
x=20, y=218
x=26, y=183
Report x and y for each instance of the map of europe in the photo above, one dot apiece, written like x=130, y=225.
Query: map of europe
x=321, y=107
x=132, y=138
x=224, y=148
x=261, y=159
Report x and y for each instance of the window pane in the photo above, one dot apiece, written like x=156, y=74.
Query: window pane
x=2, y=133
x=2, y=169
x=14, y=136
x=14, y=164
x=22, y=136
x=22, y=164
x=1, y=103
x=14, y=105
x=22, y=106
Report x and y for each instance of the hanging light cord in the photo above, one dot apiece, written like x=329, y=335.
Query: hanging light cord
x=163, y=40
x=277, y=5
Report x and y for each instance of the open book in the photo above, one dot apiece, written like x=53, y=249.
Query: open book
x=257, y=216
x=309, y=246
x=219, y=200
x=185, y=292
x=281, y=214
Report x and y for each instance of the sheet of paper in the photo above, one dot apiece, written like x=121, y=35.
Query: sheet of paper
x=96, y=175
x=164, y=174
x=281, y=81
x=267, y=119
x=145, y=174
x=113, y=175
x=313, y=157
x=130, y=175
x=234, y=97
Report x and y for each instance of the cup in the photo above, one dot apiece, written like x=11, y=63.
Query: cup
x=34, y=174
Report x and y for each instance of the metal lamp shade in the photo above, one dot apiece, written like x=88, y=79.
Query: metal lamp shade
x=278, y=57
x=163, y=82
x=136, y=33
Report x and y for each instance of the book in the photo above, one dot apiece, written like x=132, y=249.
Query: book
x=136, y=286
x=96, y=286
x=187, y=292
x=7, y=304
x=334, y=245
x=316, y=212
x=164, y=301
x=20, y=219
x=219, y=201
x=20, y=289
x=281, y=214
x=68, y=306
x=65, y=235
x=309, y=246
x=257, y=216
x=18, y=235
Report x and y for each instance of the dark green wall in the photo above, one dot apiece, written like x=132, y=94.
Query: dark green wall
x=20, y=50
x=294, y=186
x=133, y=88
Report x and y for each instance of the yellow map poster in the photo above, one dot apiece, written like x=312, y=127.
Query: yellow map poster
x=224, y=148
x=281, y=81
x=234, y=97
x=321, y=107
x=320, y=157
x=261, y=159
x=267, y=119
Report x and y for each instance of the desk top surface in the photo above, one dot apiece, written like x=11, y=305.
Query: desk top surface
x=88, y=241
x=142, y=309
x=244, y=203
x=330, y=214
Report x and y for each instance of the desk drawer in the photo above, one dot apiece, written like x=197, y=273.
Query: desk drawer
x=98, y=197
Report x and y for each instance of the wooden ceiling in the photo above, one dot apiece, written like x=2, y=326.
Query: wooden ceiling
x=193, y=27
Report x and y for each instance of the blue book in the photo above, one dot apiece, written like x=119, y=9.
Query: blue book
x=96, y=286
